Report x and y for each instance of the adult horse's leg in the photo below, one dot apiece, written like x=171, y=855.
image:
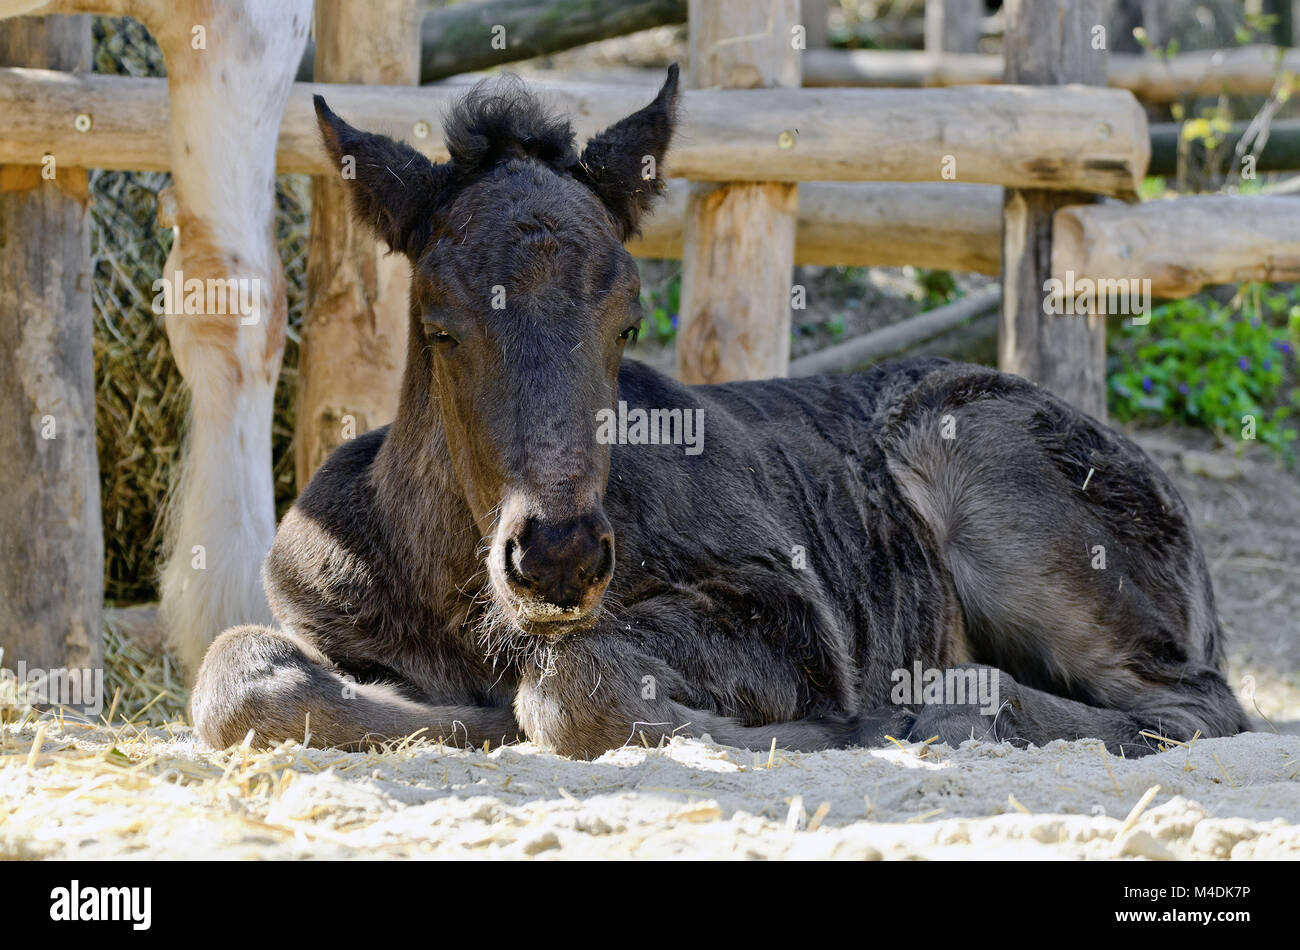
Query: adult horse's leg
x=228, y=87
x=278, y=686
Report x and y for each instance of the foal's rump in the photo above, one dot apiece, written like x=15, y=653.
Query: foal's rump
x=1071, y=552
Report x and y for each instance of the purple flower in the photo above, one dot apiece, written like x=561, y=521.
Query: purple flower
x=1146, y=384
x=1182, y=388
x=1282, y=345
x=1267, y=364
x=674, y=321
x=1243, y=364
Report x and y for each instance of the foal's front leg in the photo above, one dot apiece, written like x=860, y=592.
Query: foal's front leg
x=279, y=686
x=599, y=691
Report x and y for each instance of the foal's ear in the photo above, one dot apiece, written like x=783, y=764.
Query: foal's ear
x=395, y=190
x=622, y=164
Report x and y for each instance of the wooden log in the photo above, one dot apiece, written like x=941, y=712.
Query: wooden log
x=1281, y=152
x=898, y=337
x=948, y=226
x=816, y=23
x=1245, y=70
x=355, y=327
x=1068, y=138
x=975, y=341
x=1181, y=245
x=459, y=38
x=51, y=536
x=1126, y=16
x=1284, y=29
x=899, y=68
x=528, y=31
x=953, y=26
x=1048, y=41
x=738, y=246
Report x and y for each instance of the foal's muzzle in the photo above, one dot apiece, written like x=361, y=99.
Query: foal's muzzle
x=554, y=572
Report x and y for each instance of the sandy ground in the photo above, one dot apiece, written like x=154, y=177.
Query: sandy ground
x=1247, y=515
x=159, y=796
x=127, y=792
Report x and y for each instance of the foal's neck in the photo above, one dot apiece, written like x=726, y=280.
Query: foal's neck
x=418, y=496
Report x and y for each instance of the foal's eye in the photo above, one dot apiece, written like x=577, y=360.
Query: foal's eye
x=438, y=334
x=631, y=333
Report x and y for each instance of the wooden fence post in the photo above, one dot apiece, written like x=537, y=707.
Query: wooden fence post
x=51, y=536
x=953, y=26
x=738, y=253
x=816, y=23
x=354, y=330
x=1049, y=42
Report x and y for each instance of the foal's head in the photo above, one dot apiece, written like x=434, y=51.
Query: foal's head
x=522, y=300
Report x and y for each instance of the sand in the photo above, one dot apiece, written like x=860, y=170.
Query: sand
x=100, y=794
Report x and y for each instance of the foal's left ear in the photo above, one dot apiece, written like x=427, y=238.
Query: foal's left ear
x=622, y=164
x=393, y=188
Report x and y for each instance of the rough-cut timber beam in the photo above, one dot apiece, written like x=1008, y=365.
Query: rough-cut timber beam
x=1065, y=137
x=459, y=38
x=1182, y=244
x=1281, y=150
x=738, y=242
x=945, y=226
x=51, y=535
x=897, y=337
x=354, y=328
x=1241, y=71
x=1048, y=42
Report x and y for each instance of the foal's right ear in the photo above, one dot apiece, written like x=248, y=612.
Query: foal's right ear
x=395, y=190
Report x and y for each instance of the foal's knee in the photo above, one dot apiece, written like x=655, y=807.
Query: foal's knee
x=254, y=679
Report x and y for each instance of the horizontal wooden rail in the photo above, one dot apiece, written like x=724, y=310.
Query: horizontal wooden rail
x=897, y=337
x=1181, y=245
x=1241, y=71
x=944, y=226
x=1281, y=151
x=1066, y=137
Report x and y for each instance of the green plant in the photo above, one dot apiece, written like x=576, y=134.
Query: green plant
x=661, y=304
x=1208, y=364
x=938, y=286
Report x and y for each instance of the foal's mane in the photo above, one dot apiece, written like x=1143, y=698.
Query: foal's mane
x=501, y=119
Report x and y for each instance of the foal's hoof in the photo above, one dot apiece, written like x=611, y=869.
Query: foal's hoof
x=877, y=727
x=953, y=725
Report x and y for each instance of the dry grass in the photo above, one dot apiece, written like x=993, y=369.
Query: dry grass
x=143, y=686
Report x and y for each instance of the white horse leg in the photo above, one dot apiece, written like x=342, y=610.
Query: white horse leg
x=228, y=85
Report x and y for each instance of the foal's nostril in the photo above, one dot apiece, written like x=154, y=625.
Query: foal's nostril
x=513, y=574
x=603, y=565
